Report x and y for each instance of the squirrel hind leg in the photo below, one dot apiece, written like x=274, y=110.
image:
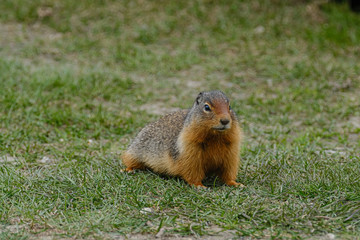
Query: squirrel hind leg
x=131, y=163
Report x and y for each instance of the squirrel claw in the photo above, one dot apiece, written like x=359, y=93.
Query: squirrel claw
x=198, y=185
x=235, y=184
x=128, y=170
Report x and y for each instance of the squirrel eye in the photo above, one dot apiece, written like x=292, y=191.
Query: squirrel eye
x=207, y=108
x=230, y=108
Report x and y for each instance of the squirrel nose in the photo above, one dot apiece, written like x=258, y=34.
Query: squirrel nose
x=224, y=121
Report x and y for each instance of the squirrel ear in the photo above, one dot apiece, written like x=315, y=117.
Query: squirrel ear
x=199, y=97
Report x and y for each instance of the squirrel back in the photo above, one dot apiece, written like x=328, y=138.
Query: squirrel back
x=191, y=143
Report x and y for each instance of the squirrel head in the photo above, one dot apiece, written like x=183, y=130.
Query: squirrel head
x=213, y=110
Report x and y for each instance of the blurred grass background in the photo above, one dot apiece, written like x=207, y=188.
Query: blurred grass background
x=78, y=79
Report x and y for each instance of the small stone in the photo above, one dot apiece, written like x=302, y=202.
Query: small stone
x=7, y=158
x=45, y=160
x=160, y=233
x=44, y=12
x=146, y=210
x=259, y=29
x=330, y=236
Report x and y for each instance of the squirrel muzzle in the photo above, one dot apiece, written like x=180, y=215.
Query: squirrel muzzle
x=224, y=124
x=223, y=119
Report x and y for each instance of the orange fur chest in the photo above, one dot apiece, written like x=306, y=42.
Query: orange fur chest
x=209, y=149
x=213, y=154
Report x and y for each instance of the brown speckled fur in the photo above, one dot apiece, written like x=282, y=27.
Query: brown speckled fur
x=191, y=143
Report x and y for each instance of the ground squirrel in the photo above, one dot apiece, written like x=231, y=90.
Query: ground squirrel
x=191, y=143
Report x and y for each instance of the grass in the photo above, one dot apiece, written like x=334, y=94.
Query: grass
x=79, y=80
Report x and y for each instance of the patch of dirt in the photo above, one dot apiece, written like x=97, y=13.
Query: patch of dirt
x=215, y=233
x=193, y=84
x=219, y=234
x=328, y=236
x=46, y=160
x=314, y=13
x=355, y=121
x=15, y=36
x=12, y=228
x=7, y=159
x=157, y=108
